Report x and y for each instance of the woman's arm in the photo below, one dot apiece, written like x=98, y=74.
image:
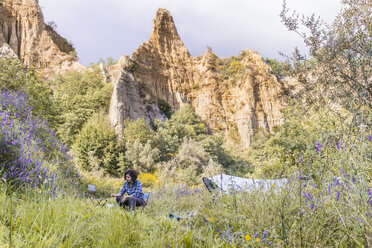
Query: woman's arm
x=121, y=193
x=115, y=195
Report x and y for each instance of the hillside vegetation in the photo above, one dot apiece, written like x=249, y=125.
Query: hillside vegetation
x=55, y=139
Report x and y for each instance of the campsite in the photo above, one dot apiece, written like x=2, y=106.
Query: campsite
x=263, y=140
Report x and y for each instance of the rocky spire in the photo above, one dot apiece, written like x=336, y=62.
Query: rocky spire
x=164, y=35
x=235, y=103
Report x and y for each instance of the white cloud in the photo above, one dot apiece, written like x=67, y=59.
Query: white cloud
x=116, y=27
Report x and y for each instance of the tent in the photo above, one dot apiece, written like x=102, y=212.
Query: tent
x=227, y=183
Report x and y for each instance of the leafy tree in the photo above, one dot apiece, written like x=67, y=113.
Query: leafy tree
x=336, y=78
x=78, y=96
x=279, y=69
x=136, y=130
x=312, y=144
x=340, y=68
x=191, y=162
x=108, y=62
x=184, y=123
x=141, y=157
x=96, y=147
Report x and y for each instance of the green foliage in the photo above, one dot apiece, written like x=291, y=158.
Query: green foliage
x=78, y=96
x=141, y=157
x=165, y=108
x=294, y=145
x=136, y=130
x=279, y=69
x=184, y=123
x=189, y=164
x=340, y=63
x=15, y=78
x=108, y=62
x=96, y=147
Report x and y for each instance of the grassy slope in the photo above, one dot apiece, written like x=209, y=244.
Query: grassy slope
x=276, y=218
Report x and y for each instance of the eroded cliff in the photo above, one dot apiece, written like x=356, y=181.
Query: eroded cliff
x=235, y=96
x=35, y=43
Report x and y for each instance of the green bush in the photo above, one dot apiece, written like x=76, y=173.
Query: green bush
x=279, y=69
x=165, y=108
x=141, y=157
x=96, y=147
x=136, y=130
x=184, y=123
x=78, y=96
x=189, y=164
x=14, y=77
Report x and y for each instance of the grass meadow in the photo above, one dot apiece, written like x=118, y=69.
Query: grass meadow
x=301, y=214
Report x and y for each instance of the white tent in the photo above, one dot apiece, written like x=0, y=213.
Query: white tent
x=228, y=183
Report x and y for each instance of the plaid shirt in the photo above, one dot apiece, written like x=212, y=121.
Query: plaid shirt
x=135, y=191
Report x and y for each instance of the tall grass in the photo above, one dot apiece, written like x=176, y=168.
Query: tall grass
x=337, y=213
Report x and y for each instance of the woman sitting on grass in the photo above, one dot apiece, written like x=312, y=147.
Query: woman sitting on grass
x=133, y=188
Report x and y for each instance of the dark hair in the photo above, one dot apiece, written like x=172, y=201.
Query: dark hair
x=132, y=173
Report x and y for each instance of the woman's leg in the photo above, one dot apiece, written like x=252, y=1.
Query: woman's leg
x=118, y=200
x=134, y=201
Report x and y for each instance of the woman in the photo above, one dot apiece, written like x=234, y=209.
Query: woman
x=133, y=188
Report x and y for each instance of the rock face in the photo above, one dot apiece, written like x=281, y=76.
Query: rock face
x=234, y=96
x=22, y=27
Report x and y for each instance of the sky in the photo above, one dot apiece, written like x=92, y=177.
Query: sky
x=112, y=28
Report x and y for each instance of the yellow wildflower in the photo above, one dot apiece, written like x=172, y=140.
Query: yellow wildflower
x=258, y=239
x=247, y=237
x=273, y=185
x=211, y=219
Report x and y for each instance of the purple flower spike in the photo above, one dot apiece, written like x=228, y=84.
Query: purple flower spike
x=338, y=195
x=339, y=145
x=369, y=137
x=318, y=146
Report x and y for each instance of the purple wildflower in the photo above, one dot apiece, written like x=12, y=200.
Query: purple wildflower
x=318, y=147
x=338, y=195
x=369, y=137
x=339, y=145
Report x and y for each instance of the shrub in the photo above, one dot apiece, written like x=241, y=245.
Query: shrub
x=30, y=154
x=148, y=180
x=165, y=108
x=136, y=130
x=78, y=96
x=141, y=157
x=96, y=147
x=190, y=163
x=279, y=69
x=184, y=123
x=13, y=77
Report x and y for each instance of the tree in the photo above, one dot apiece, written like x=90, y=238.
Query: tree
x=141, y=157
x=184, y=123
x=340, y=67
x=191, y=162
x=96, y=147
x=78, y=96
x=136, y=130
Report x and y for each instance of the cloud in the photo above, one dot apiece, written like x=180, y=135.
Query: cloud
x=117, y=27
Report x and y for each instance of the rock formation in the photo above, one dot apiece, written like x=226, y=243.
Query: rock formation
x=235, y=96
x=36, y=44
